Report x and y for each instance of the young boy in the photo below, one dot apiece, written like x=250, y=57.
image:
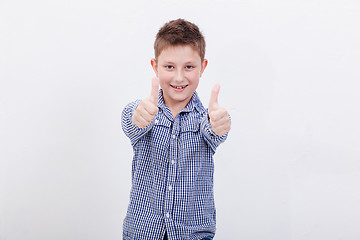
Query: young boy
x=174, y=139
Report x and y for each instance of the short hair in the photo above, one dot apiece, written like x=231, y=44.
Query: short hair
x=179, y=32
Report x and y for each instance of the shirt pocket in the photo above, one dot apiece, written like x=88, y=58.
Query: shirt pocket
x=191, y=141
x=190, y=124
x=159, y=139
x=190, y=127
x=161, y=120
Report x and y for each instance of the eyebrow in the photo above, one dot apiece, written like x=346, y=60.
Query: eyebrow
x=168, y=62
x=186, y=63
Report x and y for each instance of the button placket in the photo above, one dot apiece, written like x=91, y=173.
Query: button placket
x=173, y=153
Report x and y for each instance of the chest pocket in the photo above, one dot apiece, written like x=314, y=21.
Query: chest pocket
x=190, y=127
x=161, y=129
x=159, y=139
x=191, y=144
x=190, y=133
x=161, y=120
x=190, y=123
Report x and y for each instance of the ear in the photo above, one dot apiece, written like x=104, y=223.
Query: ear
x=154, y=66
x=203, y=66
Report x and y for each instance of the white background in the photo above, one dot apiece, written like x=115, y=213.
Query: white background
x=289, y=71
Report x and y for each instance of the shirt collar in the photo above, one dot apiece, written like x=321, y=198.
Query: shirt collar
x=194, y=103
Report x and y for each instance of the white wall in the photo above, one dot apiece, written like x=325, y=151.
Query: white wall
x=290, y=75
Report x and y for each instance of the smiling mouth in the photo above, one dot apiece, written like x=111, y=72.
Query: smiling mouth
x=179, y=87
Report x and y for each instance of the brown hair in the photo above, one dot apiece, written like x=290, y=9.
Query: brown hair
x=179, y=32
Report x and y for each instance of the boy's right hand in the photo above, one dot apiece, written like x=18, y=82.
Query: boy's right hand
x=147, y=109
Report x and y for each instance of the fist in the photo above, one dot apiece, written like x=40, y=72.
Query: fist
x=147, y=109
x=219, y=117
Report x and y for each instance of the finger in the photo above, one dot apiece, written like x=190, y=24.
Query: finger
x=218, y=114
x=146, y=116
x=222, y=129
x=214, y=96
x=150, y=107
x=141, y=123
x=155, y=90
x=220, y=123
x=222, y=132
x=146, y=109
x=139, y=120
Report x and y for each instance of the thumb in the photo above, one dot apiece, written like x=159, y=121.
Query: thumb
x=214, y=97
x=155, y=90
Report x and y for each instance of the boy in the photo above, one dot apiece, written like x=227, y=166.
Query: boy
x=174, y=139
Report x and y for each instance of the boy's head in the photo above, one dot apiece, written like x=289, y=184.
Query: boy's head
x=179, y=62
x=179, y=32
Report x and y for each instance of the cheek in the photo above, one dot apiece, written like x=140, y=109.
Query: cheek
x=164, y=78
x=194, y=76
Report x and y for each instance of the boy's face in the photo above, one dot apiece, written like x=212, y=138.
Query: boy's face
x=179, y=69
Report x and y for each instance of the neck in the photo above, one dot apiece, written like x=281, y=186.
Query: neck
x=175, y=111
x=175, y=108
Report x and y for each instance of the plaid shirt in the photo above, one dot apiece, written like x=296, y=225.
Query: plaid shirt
x=172, y=174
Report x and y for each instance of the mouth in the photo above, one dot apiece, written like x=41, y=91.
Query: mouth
x=179, y=87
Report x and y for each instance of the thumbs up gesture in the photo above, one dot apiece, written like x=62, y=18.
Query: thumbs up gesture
x=147, y=109
x=219, y=117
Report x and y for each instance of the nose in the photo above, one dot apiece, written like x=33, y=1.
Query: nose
x=179, y=76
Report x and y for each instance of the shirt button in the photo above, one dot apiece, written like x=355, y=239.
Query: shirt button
x=173, y=136
x=170, y=187
x=167, y=215
x=156, y=121
x=172, y=162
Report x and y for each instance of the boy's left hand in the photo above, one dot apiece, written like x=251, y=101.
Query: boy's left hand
x=219, y=117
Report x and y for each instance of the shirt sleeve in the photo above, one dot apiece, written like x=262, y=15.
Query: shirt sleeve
x=129, y=127
x=212, y=139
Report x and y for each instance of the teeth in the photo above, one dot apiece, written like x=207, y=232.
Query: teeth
x=179, y=87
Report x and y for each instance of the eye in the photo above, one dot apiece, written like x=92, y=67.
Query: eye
x=169, y=67
x=189, y=67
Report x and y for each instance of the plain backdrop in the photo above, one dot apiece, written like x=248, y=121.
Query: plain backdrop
x=289, y=75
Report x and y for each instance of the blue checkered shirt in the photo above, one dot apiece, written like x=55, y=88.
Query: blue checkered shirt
x=172, y=174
